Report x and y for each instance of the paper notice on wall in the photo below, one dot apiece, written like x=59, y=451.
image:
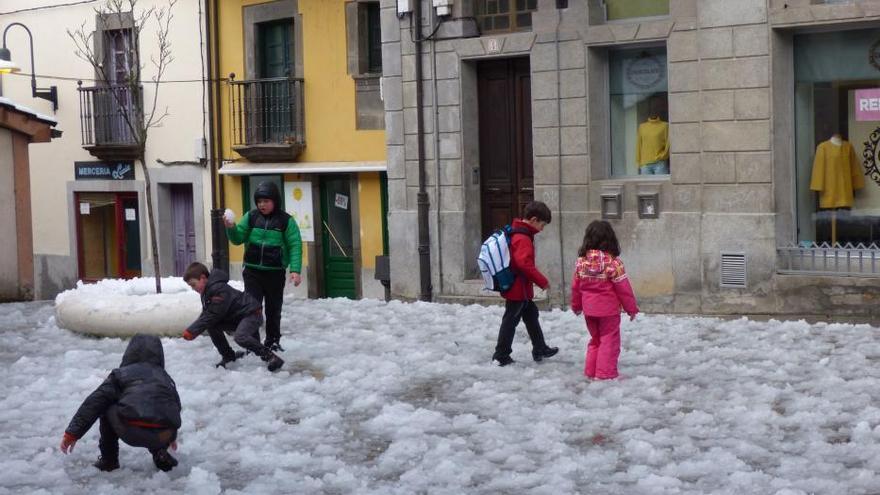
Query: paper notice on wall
x=341, y=201
x=84, y=208
x=130, y=215
x=298, y=203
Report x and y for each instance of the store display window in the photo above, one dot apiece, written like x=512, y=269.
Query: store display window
x=639, y=112
x=108, y=235
x=837, y=137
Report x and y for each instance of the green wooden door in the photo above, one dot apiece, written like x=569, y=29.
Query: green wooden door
x=275, y=57
x=336, y=236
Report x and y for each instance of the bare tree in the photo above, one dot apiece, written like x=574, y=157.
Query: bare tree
x=125, y=81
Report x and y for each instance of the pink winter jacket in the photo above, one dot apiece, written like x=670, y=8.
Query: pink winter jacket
x=600, y=286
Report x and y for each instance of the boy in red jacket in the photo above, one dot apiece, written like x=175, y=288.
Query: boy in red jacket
x=519, y=304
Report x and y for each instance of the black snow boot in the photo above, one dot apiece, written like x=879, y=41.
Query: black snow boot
x=274, y=346
x=273, y=362
x=545, y=352
x=163, y=460
x=502, y=360
x=105, y=463
x=226, y=360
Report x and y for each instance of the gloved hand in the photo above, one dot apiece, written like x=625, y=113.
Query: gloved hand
x=187, y=335
x=67, y=443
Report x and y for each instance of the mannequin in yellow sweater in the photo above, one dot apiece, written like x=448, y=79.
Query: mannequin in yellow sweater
x=652, y=147
x=836, y=173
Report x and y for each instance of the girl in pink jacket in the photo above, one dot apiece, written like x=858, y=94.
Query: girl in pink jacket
x=598, y=289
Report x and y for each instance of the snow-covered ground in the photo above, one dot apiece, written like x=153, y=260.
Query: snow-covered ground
x=398, y=398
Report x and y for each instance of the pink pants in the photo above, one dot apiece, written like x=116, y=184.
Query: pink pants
x=603, y=349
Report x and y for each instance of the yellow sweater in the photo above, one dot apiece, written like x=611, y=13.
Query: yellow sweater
x=836, y=173
x=653, y=142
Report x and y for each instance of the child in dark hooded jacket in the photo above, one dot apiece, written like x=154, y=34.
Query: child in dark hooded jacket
x=137, y=403
x=225, y=309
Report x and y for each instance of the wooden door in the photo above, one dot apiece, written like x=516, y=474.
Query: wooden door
x=506, y=167
x=129, y=242
x=183, y=227
x=337, y=237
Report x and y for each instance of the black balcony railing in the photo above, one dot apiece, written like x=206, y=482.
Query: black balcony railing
x=267, y=112
x=106, y=114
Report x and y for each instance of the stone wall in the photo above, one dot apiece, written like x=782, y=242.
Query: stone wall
x=724, y=136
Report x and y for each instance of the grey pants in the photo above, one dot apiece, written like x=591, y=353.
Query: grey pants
x=246, y=334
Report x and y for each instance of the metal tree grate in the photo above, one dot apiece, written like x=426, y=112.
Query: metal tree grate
x=733, y=270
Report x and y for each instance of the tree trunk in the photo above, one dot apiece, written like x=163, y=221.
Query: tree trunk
x=154, y=242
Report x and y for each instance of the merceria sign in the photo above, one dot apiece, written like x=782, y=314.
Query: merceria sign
x=103, y=171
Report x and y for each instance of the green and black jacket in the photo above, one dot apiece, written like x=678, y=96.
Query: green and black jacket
x=270, y=242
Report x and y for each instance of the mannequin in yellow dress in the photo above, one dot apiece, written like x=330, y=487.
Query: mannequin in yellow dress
x=836, y=174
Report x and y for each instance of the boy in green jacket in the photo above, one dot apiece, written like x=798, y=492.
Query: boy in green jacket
x=272, y=244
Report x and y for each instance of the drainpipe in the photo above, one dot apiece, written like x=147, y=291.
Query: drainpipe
x=563, y=276
x=436, y=121
x=220, y=252
x=422, y=197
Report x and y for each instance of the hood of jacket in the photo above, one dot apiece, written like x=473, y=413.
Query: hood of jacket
x=519, y=223
x=594, y=263
x=268, y=190
x=144, y=349
x=217, y=276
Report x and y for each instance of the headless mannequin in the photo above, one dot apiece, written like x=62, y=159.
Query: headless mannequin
x=841, y=188
x=652, y=146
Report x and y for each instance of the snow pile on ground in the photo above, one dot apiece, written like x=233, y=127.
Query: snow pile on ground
x=122, y=308
x=395, y=398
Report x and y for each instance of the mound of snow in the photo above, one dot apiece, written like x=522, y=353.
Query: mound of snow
x=120, y=308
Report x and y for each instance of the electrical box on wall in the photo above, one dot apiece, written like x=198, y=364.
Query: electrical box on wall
x=199, y=148
x=443, y=7
x=404, y=6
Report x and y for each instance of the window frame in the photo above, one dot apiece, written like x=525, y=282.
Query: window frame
x=607, y=115
x=512, y=14
x=598, y=15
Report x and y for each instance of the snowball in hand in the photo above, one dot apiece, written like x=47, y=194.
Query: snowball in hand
x=229, y=215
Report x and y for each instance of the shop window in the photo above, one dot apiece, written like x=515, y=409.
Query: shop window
x=602, y=11
x=837, y=138
x=505, y=15
x=638, y=112
x=108, y=235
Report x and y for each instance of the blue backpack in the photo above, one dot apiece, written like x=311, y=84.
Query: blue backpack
x=494, y=259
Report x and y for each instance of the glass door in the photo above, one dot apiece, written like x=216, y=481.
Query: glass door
x=108, y=235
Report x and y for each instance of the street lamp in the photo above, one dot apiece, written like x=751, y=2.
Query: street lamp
x=7, y=66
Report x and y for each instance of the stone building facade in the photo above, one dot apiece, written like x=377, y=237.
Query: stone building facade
x=732, y=228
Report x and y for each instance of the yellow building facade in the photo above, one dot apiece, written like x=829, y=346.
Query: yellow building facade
x=301, y=106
